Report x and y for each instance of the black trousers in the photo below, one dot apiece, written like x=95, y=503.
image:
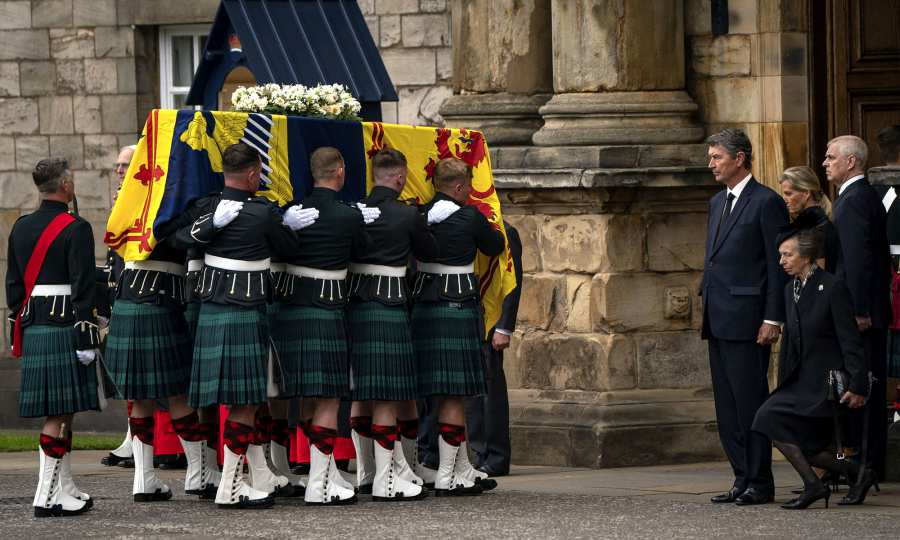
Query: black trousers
x=875, y=343
x=487, y=417
x=740, y=385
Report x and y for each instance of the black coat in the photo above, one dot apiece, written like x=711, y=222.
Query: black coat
x=510, y=309
x=820, y=334
x=865, y=266
x=741, y=276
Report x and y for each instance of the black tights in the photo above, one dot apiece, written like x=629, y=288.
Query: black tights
x=804, y=463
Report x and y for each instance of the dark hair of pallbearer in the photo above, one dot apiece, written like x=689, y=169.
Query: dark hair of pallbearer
x=388, y=158
x=49, y=173
x=239, y=157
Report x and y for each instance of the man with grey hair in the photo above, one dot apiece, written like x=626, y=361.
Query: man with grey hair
x=866, y=268
x=743, y=308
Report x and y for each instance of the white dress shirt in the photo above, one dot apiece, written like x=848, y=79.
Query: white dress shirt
x=846, y=184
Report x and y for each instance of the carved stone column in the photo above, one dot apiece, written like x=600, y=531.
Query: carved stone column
x=501, y=68
x=618, y=75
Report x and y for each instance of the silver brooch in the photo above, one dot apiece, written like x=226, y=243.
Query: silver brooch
x=821, y=287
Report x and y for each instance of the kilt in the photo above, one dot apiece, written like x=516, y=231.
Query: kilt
x=230, y=356
x=447, y=339
x=382, y=359
x=54, y=382
x=191, y=313
x=312, y=346
x=148, y=351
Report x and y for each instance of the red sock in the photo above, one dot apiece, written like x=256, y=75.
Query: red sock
x=384, y=435
x=452, y=434
x=362, y=425
x=142, y=428
x=189, y=428
x=408, y=428
x=323, y=438
x=237, y=437
x=281, y=432
x=53, y=447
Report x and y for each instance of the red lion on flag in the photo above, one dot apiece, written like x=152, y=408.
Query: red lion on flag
x=469, y=147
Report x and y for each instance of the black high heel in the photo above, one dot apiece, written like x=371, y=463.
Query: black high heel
x=858, y=492
x=808, y=497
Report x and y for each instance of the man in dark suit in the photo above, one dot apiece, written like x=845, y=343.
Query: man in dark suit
x=743, y=309
x=487, y=417
x=866, y=268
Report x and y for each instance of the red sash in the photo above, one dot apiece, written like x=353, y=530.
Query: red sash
x=33, y=268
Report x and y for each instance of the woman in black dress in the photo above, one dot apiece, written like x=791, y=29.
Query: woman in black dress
x=809, y=207
x=820, y=334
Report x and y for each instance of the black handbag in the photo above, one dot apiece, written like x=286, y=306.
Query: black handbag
x=837, y=382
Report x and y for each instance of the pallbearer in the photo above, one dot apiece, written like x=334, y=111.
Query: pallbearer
x=446, y=321
x=232, y=342
x=50, y=295
x=310, y=327
x=382, y=357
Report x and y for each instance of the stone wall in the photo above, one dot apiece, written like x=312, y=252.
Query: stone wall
x=754, y=77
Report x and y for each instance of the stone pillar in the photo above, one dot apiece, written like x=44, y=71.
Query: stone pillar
x=501, y=68
x=618, y=75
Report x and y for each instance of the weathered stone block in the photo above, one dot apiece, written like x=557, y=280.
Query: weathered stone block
x=432, y=6
x=390, y=32
x=576, y=362
x=578, y=296
x=69, y=77
x=17, y=189
x=37, y=78
x=636, y=301
x=676, y=242
x=529, y=229
x=388, y=7
x=141, y=12
x=56, y=115
x=97, y=218
x=119, y=113
x=114, y=42
x=721, y=56
x=445, y=64
x=24, y=45
x=672, y=360
x=72, y=43
x=18, y=115
x=100, y=151
x=30, y=150
x=366, y=6
x=543, y=302
x=15, y=15
x=420, y=106
x=87, y=114
x=372, y=23
x=70, y=147
x=742, y=16
x=51, y=13
x=729, y=100
x=410, y=66
x=426, y=30
x=94, y=12
x=93, y=188
x=7, y=157
x=593, y=243
x=125, y=75
x=697, y=19
x=101, y=75
x=9, y=79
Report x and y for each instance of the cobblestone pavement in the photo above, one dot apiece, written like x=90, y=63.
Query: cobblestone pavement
x=534, y=502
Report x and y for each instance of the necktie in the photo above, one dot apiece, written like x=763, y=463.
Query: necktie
x=725, y=214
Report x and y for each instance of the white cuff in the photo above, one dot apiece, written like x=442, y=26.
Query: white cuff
x=503, y=331
x=774, y=323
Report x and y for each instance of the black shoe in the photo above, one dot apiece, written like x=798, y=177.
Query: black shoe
x=728, y=497
x=57, y=511
x=486, y=484
x=493, y=473
x=858, y=491
x=246, y=504
x=459, y=491
x=808, y=497
x=156, y=496
x=172, y=462
x=111, y=460
x=400, y=497
x=753, y=496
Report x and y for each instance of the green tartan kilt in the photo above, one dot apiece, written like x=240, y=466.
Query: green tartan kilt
x=312, y=347
x=148, y=351
x=191, y=314
x=230, y=356
x=54, y=382
x=382, y=359
x=447, y=339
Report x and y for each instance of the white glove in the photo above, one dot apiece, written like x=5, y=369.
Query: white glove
x=86, y=356
x=370, y=213
x=441, y=211
x=226, y=211
x=298, y=217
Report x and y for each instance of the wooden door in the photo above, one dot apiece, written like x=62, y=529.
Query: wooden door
x=855, y=70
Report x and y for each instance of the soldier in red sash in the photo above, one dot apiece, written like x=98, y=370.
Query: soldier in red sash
x=50, y=295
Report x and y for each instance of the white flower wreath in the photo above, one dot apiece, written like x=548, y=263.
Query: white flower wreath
x=332, y=101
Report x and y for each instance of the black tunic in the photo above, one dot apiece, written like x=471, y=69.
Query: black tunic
x=820, y=334
x=69, y=261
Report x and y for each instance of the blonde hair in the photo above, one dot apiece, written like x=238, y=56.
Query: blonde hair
x=803, y=178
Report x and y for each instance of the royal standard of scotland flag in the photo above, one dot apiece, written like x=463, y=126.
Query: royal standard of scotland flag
x=179, y=158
